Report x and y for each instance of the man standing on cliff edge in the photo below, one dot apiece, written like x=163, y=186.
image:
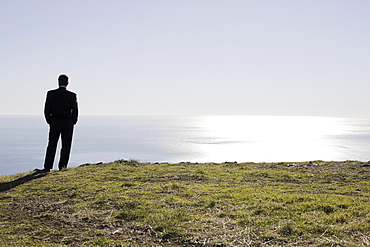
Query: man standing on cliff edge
x=61, y=113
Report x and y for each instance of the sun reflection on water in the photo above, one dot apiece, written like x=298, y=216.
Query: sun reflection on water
x=270, y=138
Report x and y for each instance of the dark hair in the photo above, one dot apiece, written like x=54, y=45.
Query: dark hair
x=63, y=80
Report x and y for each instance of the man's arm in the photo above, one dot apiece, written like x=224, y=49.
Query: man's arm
x=47, y=109
x=75, y=110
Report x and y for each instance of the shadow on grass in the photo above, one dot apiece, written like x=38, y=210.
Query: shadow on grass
x=9, y=185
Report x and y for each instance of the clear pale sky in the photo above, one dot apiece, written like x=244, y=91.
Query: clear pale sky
x=188, y=57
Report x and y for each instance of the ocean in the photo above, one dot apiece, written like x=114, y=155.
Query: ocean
x=23, y=139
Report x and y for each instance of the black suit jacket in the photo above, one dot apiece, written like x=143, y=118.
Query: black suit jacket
x=62, y=104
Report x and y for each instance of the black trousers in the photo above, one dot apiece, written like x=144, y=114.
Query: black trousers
x=59, y=128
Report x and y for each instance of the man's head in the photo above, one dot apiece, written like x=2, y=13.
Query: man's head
x=63, y=80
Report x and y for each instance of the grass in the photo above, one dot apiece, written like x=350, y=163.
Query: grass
x=231, y=204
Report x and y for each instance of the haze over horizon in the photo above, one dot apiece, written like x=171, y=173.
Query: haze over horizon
x=238, y=57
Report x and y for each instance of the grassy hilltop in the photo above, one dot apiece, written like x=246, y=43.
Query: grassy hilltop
x=231, y=204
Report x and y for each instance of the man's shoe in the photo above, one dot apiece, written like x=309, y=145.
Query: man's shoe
x=41, y=170
x=62, y=168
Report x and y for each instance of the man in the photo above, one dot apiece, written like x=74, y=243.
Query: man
x=61, y=113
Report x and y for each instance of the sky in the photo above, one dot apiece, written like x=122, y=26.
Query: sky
x=188, y=57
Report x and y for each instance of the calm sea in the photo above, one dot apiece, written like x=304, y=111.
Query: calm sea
x=23, y=139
